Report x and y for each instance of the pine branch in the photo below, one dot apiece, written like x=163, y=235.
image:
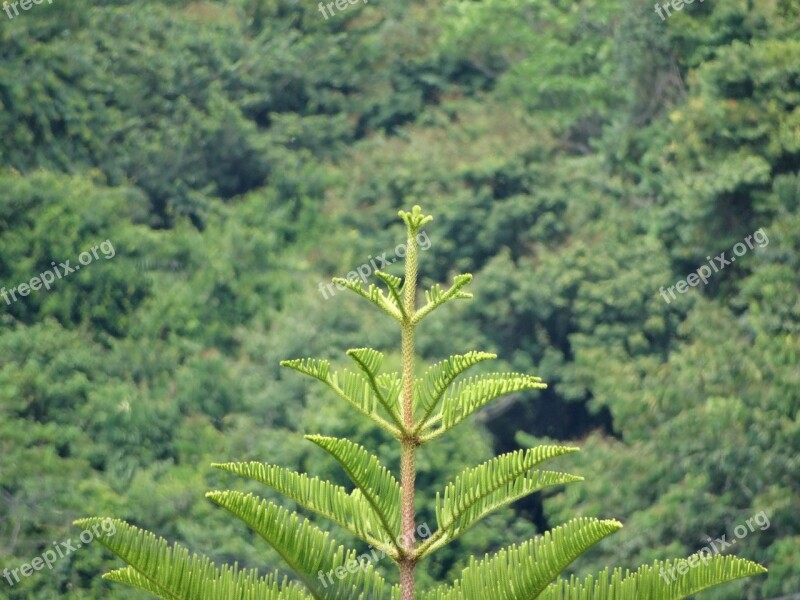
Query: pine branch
x=649, y=580
x=374, y=295
x=393, y=284
x=391, y=385
x=248, y=588
x=370, y=361
x=349, y=510
x=306, y=549
x=457, y=518
x=478, y=491
x=523, y=572
x=174, y=573
x=373, y=480
x=430, y=389
x=435, y=297
x=472, y=394
x=355, y=390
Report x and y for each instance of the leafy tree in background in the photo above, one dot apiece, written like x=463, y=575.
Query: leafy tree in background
x=334, y=124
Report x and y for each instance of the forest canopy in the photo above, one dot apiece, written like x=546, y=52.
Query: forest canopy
x=581, y=158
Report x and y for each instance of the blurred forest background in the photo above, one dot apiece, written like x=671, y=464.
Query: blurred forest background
x=577, y=156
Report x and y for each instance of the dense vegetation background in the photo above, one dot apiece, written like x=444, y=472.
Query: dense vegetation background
x=578, y=155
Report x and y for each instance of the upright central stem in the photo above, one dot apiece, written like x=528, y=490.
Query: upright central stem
x=408, y=470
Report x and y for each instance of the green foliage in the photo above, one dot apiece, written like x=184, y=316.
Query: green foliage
x=375, y=483
x=352, y=511
x=171, y=572
x=477, y=492
x=306, y=549
x=381, y=510
x=525, y=571
x=648, y=581
x=582, y=155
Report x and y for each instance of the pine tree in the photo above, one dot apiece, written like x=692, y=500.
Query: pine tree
x=380, y=510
